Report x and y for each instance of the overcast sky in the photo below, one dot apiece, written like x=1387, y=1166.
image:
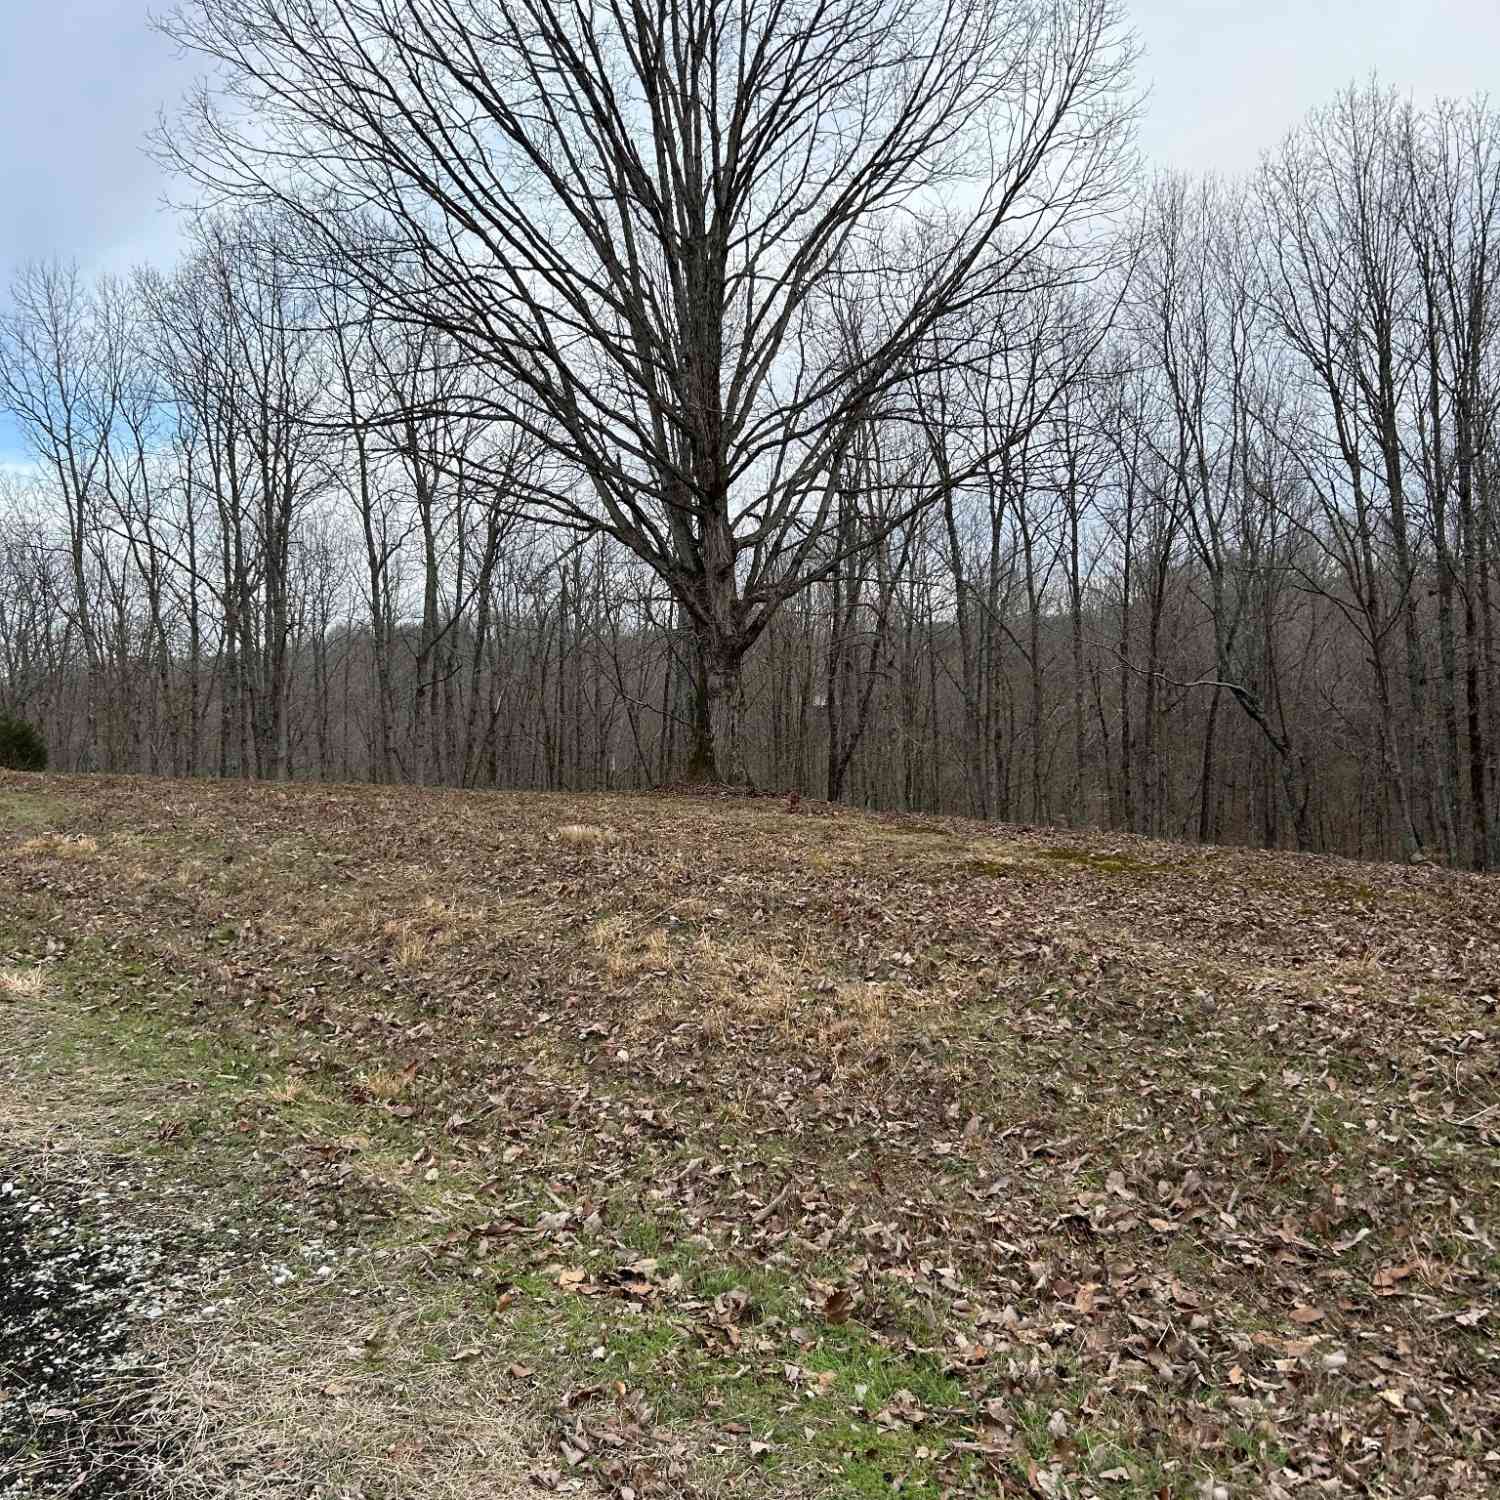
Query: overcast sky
x=81, y=81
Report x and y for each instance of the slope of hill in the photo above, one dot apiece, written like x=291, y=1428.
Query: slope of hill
x=744, y=1151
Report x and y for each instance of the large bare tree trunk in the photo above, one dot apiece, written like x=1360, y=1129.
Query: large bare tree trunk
x=722, y=757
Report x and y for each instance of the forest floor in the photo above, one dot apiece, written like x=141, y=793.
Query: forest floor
x=496, y=1145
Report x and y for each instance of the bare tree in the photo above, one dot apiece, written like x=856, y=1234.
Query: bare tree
x=63, y=358
x=637, y=215
x=1451, y=213
x=1338, y=281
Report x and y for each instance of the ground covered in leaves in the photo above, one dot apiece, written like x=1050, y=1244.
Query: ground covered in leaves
x=748, y=1150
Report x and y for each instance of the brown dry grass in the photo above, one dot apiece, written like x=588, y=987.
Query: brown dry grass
x=290, y=1394
x=20, y=984
x=421, y=935
x=586, y=836
x=58, y=846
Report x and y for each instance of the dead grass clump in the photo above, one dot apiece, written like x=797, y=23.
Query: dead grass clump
x=627, y=954
x=862, y=1014
x=415, y=939
x=608, y=933
x=409, y=946
x=290, y=1394
x=587, y=836
x=836, y=860
x=59, y=846
x=382, y=1086
x=22, y=984
x=745, y=985
x=993, y=858
x=337, y=925
x=777, y=996
x=288, y=1091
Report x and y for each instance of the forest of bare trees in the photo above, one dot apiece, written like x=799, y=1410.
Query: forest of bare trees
x=608, y=398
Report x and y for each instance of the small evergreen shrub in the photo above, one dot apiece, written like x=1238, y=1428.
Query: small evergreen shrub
x=21, y=746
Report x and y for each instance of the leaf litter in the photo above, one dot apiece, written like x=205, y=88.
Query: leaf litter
x=1048, y=1175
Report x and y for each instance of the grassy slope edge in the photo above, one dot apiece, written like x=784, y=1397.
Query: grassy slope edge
x=813, y=1154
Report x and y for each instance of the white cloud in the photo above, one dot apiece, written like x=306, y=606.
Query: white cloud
x=82, y=81
x=1229, y=78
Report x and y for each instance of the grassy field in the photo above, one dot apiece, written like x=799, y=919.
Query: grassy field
x=693, y=1146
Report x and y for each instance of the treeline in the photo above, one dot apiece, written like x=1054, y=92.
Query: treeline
x=1225, y=569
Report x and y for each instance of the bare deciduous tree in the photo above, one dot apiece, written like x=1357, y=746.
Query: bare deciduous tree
x=635, y=218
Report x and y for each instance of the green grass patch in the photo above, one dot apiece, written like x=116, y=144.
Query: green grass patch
x=27, y=811
x=1109, y=864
